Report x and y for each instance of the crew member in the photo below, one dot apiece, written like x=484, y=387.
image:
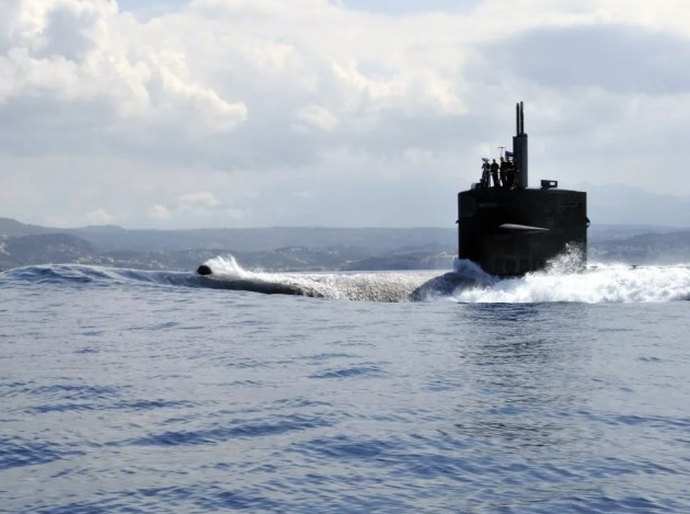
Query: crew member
x=486, y=168
x=494, y=173
x=515, y=172
x=504, y=173
x=511, y=171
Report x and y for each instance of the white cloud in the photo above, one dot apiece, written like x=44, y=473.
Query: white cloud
x=100, y=217
x=201, y=199
x=159, y=213
x=211, y=111
x=317, y=117
x=82, y=55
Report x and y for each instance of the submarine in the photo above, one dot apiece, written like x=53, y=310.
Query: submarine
x=510, y=229
x=506, y=229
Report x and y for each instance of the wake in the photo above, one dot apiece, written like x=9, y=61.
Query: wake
x=374, y=286
x=563, y=280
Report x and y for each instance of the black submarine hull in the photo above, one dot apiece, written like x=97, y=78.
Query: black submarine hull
x=510, y=229
x=513, y=232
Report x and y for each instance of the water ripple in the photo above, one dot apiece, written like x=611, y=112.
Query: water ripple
x=124, y=396
x=15, y=452
x=363, y=371
x=225, y=433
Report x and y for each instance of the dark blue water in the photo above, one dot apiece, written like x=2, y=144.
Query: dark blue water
x=127, y=391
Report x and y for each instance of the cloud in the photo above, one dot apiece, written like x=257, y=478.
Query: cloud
x=407, y=7
x=201, y=199
x=617, y=58
x=189, y=208
x=317, y=117
x=81, y=61
x=159, y=213
x=100, y=217
x=214, y=112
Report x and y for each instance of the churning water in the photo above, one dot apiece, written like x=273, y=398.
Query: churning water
x=132, y=391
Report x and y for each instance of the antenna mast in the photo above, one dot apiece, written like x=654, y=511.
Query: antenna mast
x=520, y=146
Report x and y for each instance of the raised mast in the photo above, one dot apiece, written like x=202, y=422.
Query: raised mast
x=520, y=146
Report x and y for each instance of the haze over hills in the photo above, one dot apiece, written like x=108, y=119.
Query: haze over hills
x=271, y=248
x=299, y=248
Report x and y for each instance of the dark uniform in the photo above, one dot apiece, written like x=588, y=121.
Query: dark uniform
x=504, y=173
x=485, y=174
x=494, y=173
x=512, y=174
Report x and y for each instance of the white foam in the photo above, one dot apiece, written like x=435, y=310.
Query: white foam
x=372, y=286
x=601, y=283
x=562, y=281
x=471, y=270
x=226, y=265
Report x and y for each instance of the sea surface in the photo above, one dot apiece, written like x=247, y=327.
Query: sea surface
x=132, y=391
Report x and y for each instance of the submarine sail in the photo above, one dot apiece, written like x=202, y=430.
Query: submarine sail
x=510, y=229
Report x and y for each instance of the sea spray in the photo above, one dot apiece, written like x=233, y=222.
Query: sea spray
x=563, y=280
x=374, y=286
x=600, y=283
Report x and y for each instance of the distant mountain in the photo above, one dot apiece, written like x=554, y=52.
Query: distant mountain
x=650, y=248
x=43, y=248
x=266, y=239
x=113, y=238
x=273, y=248
x=10, y=227
x=623, y=204
x=300, y=248
x=598, y=233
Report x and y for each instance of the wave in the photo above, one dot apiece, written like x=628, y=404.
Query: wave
x=373, y=286
x=562, y=281
x=92, y=275
x=601, y=283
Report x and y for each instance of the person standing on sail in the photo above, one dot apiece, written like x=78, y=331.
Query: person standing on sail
x=504, y=173
x=494, y=173
x=486, y=168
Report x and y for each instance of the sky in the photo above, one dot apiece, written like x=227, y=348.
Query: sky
x=244, y=113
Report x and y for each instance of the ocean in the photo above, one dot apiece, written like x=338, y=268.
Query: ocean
x=134, y=391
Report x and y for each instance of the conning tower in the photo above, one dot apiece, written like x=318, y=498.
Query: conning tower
x=510, y=229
